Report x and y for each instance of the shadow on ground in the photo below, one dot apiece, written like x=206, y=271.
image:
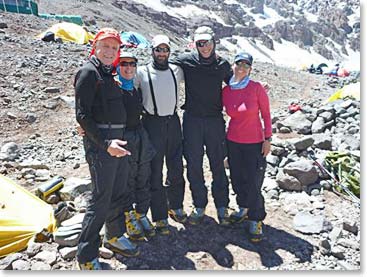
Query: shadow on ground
x=171, y=252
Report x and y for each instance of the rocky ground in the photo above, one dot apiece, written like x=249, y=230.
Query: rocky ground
x=308, y=227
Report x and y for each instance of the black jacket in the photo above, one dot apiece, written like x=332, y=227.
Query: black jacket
x=98, y=99
x=134, y=107
x=203, y=84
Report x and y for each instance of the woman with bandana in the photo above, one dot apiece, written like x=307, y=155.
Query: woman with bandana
x=248, y=142
x=142, y=152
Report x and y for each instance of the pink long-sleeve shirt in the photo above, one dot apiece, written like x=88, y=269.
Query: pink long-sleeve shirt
x=244, y=106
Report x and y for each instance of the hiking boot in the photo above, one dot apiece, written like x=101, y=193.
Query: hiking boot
x=122, y=246
x=146, y=224
x=238, y=216
x=92, y=265
x=196, y=216
x=133, y=228
x=256, y=231
x=162, y=226
x=223, y=216
x=178, y=215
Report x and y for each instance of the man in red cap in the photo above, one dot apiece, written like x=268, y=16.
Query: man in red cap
x=100, y=111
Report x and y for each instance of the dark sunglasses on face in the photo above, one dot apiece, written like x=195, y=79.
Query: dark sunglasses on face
x=133, y=64
x=161, y=49
x=242, y=64
x=204, y=43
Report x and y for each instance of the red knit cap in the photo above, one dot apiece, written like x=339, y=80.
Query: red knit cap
x=103, y=34
x=107, y=33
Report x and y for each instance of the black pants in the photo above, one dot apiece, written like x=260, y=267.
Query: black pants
x=109, y=195
x=247, y=166
x=166, y=137
x=142, y=152
x=209, y=132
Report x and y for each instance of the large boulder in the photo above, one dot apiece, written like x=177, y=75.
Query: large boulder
x=298, y=122
x=304, y=171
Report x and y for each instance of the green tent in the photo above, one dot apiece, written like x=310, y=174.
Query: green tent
x=31, y=7
x=20, y=6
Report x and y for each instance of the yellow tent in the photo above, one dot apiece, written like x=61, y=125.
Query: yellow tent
x=69, y=32
x=22, y=216
x=352, y=90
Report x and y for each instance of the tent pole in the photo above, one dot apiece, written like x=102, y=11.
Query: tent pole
x=30, y=6
x=4, y=6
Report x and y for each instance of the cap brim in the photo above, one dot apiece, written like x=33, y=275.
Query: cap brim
x=159, y=43
x=203, y=37
x=102, y=37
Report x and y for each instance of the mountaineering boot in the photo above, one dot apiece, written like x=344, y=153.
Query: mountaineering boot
x=92, y=265
x=196, y=216
x=122, y=246
x=148, y=227
x=162, y=227
x=238, y=216
x=133, y=228
x=178, y=215
x=256, y=231
x=223, y=216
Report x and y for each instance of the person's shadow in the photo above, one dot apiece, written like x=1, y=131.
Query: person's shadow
x=210, y=239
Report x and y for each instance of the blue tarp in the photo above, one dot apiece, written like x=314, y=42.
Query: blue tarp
x=133, y=39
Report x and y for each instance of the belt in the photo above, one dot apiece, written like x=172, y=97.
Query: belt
x=159, y=116
x=111, y=126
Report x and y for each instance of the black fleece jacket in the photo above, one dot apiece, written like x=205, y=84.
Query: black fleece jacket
x=98, y=99
x=203, y=84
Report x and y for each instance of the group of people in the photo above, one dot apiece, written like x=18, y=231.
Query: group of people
x=128, y=118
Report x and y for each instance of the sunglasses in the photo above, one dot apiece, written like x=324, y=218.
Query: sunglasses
x=133, y=64
x=243, y=64
x=161, y=49
x=204, y=43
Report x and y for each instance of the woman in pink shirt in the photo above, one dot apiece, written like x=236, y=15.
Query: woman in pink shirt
x=248, y=141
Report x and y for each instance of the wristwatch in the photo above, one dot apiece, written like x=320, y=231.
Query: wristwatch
x=268, y=139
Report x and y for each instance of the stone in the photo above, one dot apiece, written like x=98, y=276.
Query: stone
x=68, y=253
x=31, y=118
x=297, y=122
x=307, y=223
x=21, y=265
x=318, y=126
x=347, y=266
x=9, y=151
x=322, y=141
x=288, y=182
x=350, y=227
x=272, y=194
x=303, y=170
x=325, y=244
x=73, y=187
x=35, y=164
x=47, y=257
x=302, y=143
x=335, y=234
x=347, y=243
x=40, y=266
x=269, y=184
x=337, y=252
x=273, y=160
x=52, y=90
x=6, y=263
x=33, y=248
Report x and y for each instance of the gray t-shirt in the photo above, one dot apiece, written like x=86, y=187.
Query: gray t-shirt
x=163, y=86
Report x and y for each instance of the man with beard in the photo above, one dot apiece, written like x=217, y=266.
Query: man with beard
x=203, y=123
x=159, y=82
